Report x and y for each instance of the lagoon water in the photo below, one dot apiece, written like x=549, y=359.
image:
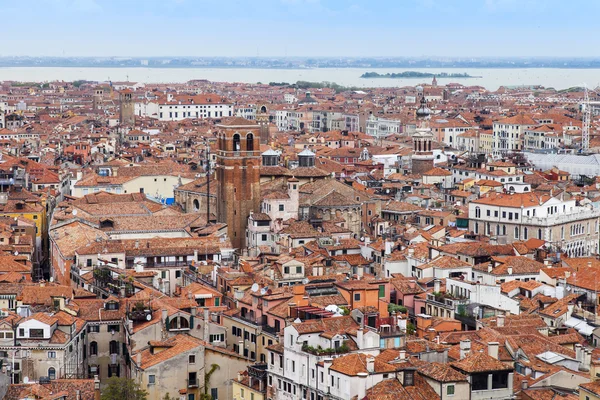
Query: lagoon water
x=491, y=78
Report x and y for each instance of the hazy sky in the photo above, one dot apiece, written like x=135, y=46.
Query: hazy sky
x=300, y=27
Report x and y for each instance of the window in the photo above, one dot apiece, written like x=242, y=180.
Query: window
x=113, y=347
x=281, y=207
x=36, y=333
x=214, y=392
x=356, y=296
x=409, y=378
x=113, y=328
x=51, y=373
x=151, y=379
x=192, y=359
x=51, y=354
x=450, y=390
x=93, y=328
x=381, y=291
x=93, y=348
x=500, y=380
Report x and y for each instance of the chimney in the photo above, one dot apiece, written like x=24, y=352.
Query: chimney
x=509, y=270
x=493, y=348
x=360, y=338
x=370, y=364
x=524, y=384
x=164, y=316
x=402, y=355
x=490, y=267
x=77, y=395
x=465, y=348
x=579, y=353
x=138, y=358
x=437, y=284
x=500, y=321
x=430, y=333
x=196, y=255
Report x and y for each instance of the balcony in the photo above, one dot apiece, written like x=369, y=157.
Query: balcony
x=192, y=383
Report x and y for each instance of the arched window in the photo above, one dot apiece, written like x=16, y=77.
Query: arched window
x=196, y=205
x=93, y=348
x=516, y=232
x=249, y=142
x=179, y=323
x=236, y=142
x=477, y=212
x=504, y=230
x=525, y=233
x=51, y=373
x=476, y=229
x=539, y=234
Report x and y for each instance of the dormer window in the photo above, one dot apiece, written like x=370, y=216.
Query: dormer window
x=111, y=305
x=409, y=378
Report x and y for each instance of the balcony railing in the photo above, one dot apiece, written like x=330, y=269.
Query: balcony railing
x=192, y=383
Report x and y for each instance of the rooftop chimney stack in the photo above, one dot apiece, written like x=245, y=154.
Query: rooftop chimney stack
x=465, y=348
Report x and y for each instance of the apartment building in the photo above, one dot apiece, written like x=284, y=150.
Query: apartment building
x=560, y=222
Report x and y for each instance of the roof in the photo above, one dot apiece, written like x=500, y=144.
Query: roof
x=480, y=362
x=174, y=346
x=355, y=363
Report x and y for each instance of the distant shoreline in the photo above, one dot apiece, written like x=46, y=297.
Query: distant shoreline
x=417, y=75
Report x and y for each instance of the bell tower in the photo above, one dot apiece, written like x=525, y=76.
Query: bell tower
x=97, y=99
x=262, y=117
x=422, y=157
x=127, y=108
x=238, y=175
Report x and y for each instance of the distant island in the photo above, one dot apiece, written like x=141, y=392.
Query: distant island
x=415, y=74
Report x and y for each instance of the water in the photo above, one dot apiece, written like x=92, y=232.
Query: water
x=490, y=78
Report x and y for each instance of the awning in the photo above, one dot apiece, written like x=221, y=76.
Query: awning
x=585, y=330
x=574, y=322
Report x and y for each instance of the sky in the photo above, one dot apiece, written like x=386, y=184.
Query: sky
x=319, y=28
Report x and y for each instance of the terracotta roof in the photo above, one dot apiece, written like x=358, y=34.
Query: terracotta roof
x=442, y=372
x=480, y=362
x=174, y=347
x=355, y=363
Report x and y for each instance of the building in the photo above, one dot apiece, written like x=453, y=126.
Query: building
x=127, y=108
x=238, y=176
x=558, y=221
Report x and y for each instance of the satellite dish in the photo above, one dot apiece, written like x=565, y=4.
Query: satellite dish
x=148, y=317
x=297, y=321
x=254, y=287
x=16, y=253
x=51, y=279
x=263, y=291
x=26, y=380
x=74, y=212
x=305, y=281
x=362, y=238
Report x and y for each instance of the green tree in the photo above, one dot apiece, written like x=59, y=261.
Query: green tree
x=207, y=375
x=410, y=329
x=123, y=389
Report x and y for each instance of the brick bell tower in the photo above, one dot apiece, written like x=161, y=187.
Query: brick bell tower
x=238, y=175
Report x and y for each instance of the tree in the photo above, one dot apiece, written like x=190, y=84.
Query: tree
x=207, y=375
x=123, y=389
